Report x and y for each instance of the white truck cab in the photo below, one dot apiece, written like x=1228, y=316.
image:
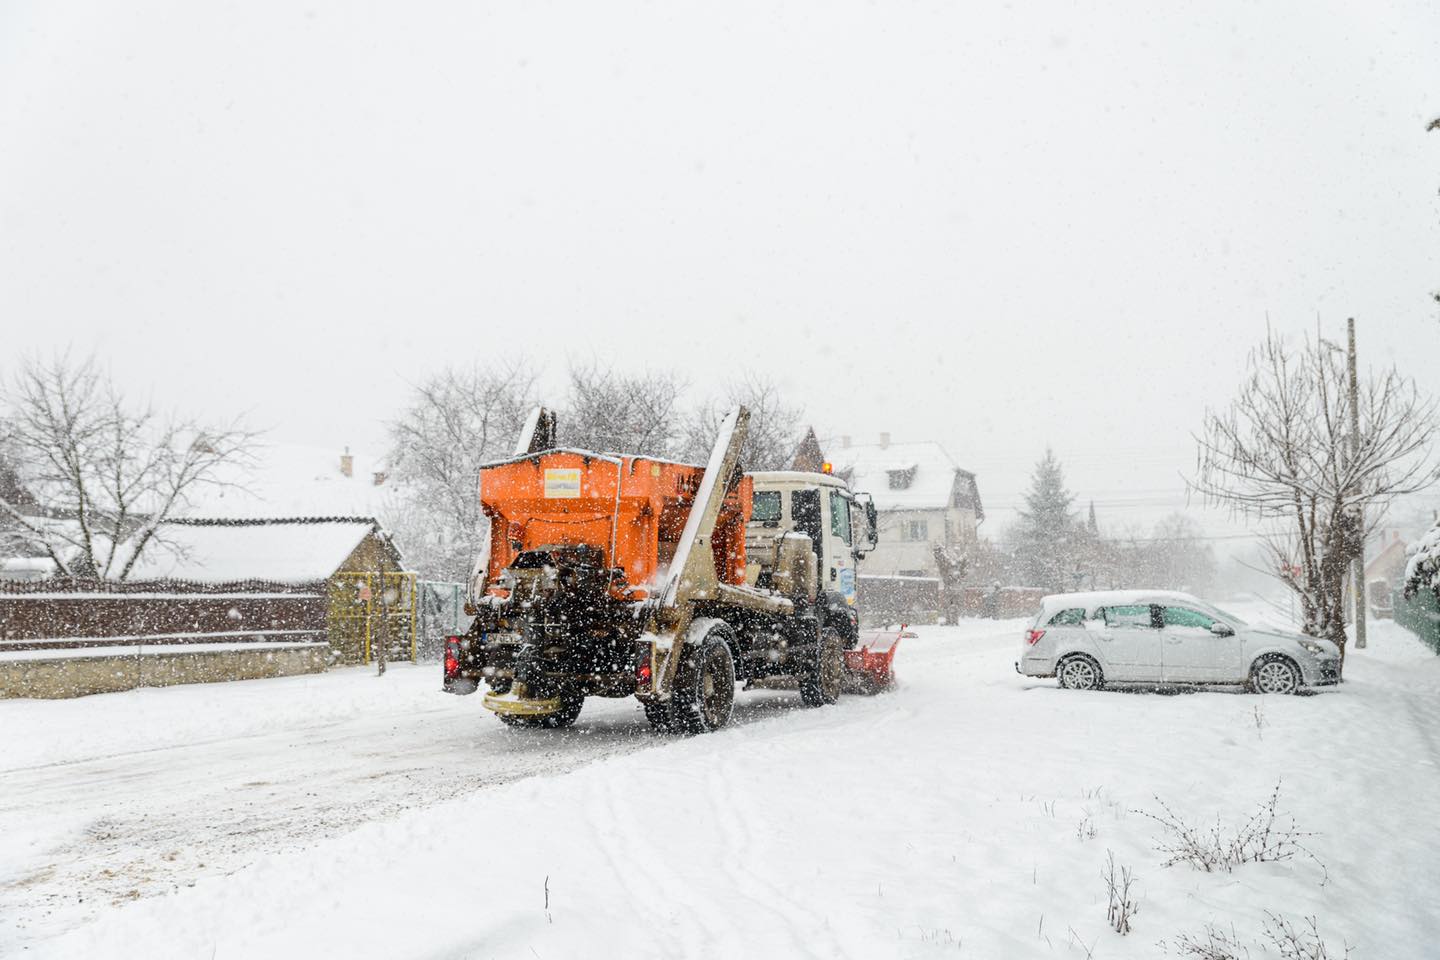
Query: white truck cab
x=839, y=522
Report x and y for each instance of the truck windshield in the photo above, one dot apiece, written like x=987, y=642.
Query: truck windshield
x=766, y=505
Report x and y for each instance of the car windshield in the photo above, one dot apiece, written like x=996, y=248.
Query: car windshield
x=1223, y=615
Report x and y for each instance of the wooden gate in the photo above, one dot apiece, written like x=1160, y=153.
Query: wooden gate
x=361, y=616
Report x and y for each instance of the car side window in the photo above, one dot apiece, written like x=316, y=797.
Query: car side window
x=1129, y=616
x=1181, y=617
x=1068, y=618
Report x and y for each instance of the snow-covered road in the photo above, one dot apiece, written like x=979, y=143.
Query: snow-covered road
x=114, y=798
x=968, y=813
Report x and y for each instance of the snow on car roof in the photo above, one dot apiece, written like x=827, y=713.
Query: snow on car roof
x=1089, y=600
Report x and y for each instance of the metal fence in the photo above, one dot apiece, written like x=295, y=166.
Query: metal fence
x=1421, y=616
x=442, y=614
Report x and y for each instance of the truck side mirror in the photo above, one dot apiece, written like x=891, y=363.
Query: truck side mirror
x=872, y=521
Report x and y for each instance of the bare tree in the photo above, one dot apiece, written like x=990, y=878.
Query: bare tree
x=612, y=412
x=456, y=420
x=92, y=479
x=1282, y=452
x=774, y=425
x=1176, y=557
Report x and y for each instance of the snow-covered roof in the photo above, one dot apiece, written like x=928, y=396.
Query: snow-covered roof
x=292, y=480
x=26, y=568
x=931, y=470
x=299, y=551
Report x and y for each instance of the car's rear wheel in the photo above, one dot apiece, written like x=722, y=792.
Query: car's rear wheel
x=1079, y=672
x=1275, y=674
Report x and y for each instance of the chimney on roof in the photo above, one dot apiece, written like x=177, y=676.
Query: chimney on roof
x=884, y=440
x=379, y=476
x=347, y=463
x=845, y=442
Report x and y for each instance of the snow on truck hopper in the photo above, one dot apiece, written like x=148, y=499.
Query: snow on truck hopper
x=617, y=575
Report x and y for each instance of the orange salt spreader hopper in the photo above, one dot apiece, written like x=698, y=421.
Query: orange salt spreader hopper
x=631, y=510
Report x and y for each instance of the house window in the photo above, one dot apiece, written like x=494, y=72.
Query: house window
x=914, y=530
x=900, y=479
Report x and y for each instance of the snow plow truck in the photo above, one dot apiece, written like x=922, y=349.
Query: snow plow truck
x=608, y=575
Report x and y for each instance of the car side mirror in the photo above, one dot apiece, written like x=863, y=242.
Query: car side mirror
x=1221, y=629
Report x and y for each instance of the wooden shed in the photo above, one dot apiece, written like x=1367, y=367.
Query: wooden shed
x=370, y=595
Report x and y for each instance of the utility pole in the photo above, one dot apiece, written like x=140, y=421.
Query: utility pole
x=1359, y=562
x=383, y=647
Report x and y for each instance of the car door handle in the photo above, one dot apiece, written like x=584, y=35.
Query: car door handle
x=1175, y=641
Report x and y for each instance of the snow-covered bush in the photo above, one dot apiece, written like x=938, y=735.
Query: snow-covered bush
x=1422, y=569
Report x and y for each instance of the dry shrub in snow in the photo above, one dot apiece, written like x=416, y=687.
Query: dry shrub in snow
x=1301, y=944
x=1283, y=937
x=1121, y=908
x=1214, y=944
x=1265, y=837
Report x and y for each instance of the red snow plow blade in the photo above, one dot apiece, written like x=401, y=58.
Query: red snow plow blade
x=868, y=666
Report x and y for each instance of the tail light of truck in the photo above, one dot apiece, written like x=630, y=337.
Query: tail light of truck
x=643, y=671
x=452, y=657
x=1032, y=637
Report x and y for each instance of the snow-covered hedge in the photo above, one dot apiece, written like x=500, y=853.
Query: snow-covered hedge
x=1423, y=568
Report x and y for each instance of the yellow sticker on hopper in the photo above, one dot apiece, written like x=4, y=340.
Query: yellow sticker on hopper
x=562, y=483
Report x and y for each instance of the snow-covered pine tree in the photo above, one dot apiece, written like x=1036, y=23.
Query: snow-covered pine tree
x=1046, y=537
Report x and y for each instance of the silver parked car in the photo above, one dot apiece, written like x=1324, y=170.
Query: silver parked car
x=1149, y=636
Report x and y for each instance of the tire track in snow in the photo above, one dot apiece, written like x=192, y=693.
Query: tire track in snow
x=644, y=871
x=743, y=864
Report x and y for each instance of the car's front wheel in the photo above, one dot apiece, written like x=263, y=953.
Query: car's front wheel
x=1079, y=672
x=1275, y=675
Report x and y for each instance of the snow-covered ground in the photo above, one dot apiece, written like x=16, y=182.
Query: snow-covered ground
x=968, y=813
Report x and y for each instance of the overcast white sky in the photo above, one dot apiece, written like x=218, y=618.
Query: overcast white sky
x=1000, y=227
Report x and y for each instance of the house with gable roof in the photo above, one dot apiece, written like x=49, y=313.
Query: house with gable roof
x=923, y=497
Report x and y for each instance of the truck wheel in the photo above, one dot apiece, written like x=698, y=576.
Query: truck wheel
x=821, y=685
x=704, y=694
x=660, y=717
